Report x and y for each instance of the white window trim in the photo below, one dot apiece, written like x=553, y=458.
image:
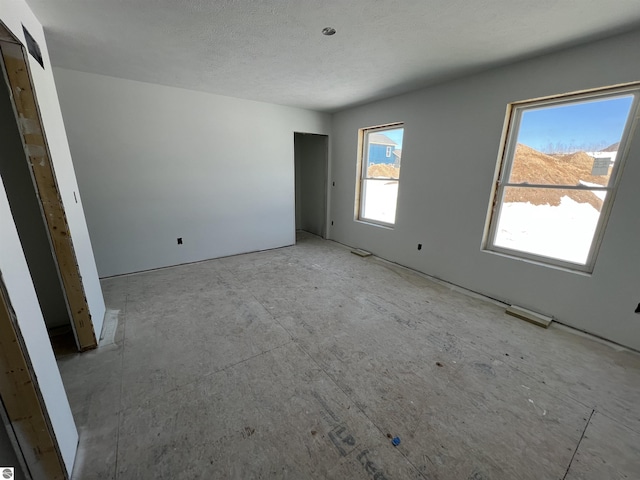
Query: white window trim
x=505, y=163
x=363, y=159
x=388, y=152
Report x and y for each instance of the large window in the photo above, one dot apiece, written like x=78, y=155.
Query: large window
x=380, y=155
x=561, y=164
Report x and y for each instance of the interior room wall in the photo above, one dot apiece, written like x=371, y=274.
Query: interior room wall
x=157, y=163
x=450, y=149
x=14, y=14
x=27, y=214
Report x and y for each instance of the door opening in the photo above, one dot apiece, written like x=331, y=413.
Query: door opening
x=27, y=213
x=35, y=200
x=311, y=170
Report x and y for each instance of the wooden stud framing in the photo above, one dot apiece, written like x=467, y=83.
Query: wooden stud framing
x=23, y=404
x=16, y=70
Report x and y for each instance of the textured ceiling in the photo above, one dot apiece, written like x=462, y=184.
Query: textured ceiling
x=273, y=50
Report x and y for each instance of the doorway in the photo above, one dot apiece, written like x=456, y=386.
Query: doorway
x=36, y=203
x=311, y=170
x=32, y=230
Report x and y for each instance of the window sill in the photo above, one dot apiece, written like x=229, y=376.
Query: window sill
x=539, y=263
x=386, y=226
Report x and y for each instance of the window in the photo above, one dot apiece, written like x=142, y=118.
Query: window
x=561, y=165
x=379, y=163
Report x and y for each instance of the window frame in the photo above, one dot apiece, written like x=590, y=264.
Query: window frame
x=506, y=159
x=363, y=160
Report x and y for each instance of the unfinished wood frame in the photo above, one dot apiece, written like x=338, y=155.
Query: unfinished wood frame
x=22, y=401
x=15, y=66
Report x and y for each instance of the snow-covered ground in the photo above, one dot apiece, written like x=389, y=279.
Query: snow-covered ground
x=601, y=194
x=381, y=197
x=564, y=232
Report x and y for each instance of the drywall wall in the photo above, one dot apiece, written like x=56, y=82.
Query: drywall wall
x=451, y=142
x=311, y=158
x=22, y=296
x=156, y=163
x=14, y=14
x=27, y=215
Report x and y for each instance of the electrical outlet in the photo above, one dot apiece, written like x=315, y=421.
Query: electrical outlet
x=179, y=240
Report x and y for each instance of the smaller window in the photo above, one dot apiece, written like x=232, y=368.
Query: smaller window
x=379, y=177
x=562, y=163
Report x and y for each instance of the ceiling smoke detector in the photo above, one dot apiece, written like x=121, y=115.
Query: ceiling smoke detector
x=328, y=31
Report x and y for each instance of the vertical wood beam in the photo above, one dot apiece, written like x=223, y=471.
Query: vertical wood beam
x=22, y=401
x=15, y=65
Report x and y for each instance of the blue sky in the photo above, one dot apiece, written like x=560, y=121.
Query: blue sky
x=395, y=135
x=590, y=125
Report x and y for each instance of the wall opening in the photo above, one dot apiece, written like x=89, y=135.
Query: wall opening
x=51, y=251
x=311, y=169
x=32, y=230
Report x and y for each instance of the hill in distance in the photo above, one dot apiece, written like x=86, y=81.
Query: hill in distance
x=612, y=148
x=534, y=167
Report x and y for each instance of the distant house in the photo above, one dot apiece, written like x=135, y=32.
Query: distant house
x=381, y=149
x=610, y=154
x=397, y=153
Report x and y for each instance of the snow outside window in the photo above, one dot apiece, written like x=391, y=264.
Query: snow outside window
x=378, y=182
x=561, y=165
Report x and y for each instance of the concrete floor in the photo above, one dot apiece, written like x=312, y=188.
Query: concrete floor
x=299, y=362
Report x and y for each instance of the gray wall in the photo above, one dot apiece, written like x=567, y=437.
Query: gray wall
x=311, y=163
x=26, y=211
x=155, y=163
x=450, y=149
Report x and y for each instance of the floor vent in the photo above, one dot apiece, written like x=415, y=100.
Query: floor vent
x=361, y=253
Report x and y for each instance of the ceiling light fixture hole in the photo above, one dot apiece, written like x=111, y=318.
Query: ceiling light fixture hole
x=328, y=31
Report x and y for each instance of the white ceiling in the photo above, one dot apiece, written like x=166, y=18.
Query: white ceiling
x=273, y=50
